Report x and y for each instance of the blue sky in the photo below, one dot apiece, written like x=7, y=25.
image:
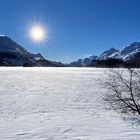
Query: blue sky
x=77, y=28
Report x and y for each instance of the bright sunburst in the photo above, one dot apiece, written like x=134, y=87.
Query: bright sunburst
x=37, y=30
x=38, y=33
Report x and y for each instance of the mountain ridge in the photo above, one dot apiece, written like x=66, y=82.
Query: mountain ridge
x=13, y=54
x=120, y=57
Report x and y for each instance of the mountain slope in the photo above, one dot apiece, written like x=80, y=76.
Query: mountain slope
x=13, y=54
x=129, y=56
x=83, y=62
x=128, y=52
x=107, y=54
x=8, y=45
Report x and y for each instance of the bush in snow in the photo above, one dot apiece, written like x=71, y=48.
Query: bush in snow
x=123, y=90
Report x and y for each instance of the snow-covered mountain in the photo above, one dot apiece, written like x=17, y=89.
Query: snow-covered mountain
x=83, y=62
x=13, y=54
x=128, y=52
x=124, y=54
x=128, y=56
x=107, y=54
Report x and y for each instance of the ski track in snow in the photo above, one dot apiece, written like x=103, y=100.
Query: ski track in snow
x=59, y=104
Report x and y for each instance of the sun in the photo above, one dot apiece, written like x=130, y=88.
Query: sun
x=37, y=33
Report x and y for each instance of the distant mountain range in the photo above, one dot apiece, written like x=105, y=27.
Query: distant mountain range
x=13, y=54
x=129, y=56
x=83, y=62
x=124, y=54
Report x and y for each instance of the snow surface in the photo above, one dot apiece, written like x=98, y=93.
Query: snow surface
x=59, y=104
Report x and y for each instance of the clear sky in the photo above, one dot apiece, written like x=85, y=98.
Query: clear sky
x=77, y=28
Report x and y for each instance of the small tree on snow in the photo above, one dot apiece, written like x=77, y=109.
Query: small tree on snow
x=123, y=90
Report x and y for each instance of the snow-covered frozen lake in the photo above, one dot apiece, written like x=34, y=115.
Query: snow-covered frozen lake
x=59, y=104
